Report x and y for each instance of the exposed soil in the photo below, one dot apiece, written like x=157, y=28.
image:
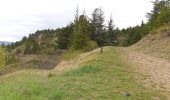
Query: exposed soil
x=156, y=70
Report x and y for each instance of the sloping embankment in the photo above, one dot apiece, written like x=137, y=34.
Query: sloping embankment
x=151, y=55
x=155, y=44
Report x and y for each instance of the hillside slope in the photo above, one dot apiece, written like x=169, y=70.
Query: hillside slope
x=156, y=70
x=155, y=44
x=151, y=56
x=92, y=75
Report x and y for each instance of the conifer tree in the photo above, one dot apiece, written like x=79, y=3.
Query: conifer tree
x=110, y=30
x=81, y=33
x=98, y=23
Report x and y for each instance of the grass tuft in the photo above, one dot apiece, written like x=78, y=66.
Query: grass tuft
x=84, y=70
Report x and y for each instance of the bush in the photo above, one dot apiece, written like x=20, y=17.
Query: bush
x=3, y=56
x=164, y=17
x=50, y=74
x=90, y=46
x=80, y=41
x=18, y=51
x=12, y=59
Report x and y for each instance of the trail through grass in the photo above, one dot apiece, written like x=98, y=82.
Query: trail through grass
x=106, y=77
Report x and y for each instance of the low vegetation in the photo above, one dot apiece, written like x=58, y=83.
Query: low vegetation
x=3, y=57
x=104, y=77
x=96, y=76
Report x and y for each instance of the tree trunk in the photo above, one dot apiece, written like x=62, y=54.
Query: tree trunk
x=101, y=43
x=101, y=49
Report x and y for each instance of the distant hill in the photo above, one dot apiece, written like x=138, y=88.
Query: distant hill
x=40, y=42
x=5, y=42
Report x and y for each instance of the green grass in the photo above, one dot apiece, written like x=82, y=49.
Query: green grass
x=106, y=77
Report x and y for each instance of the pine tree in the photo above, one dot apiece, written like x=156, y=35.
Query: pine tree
x=81, y=33
x=64, y=37
x=31, y=47
x=110, y=30
x=98, y=23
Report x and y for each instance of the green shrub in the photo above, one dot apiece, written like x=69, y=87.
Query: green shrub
x=51, y=74
x=11, y=59
x=91, y=45
x=3, y=56
x=80, y=41
x=18, y=51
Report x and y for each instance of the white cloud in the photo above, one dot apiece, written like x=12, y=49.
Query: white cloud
x=21, y=17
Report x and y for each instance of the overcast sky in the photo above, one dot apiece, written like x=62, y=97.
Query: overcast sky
x=18, y=18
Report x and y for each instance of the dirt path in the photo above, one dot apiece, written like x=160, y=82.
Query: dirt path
x=156, y=70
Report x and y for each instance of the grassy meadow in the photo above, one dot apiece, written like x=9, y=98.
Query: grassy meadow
x=106, y=77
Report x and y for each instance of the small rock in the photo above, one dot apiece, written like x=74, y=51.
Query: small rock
x=127, y=94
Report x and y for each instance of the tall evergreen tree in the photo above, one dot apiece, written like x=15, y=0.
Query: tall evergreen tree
x=98, y=22
x=64, y=37
x=31, y=47
x=81, y=33
x=111, y=35
x=77, y=14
